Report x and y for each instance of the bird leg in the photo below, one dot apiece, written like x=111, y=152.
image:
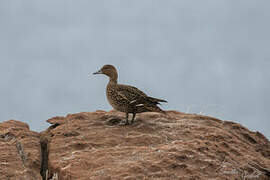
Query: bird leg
x=133, y=117
x=126, y=119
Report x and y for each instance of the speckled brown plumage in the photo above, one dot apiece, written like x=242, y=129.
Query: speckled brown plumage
x=126, y=98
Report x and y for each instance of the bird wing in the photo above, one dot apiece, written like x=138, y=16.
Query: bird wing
x=133, y=95
x=136, y=97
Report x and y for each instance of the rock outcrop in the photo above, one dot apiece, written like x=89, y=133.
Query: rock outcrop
x=20, y=155
x=95, y=145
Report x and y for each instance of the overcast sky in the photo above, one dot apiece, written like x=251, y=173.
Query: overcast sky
x=209, y=57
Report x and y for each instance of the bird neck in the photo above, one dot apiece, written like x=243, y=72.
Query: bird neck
x=113, y=77
x=113, y=81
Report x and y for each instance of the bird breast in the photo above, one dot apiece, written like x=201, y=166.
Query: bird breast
x=115, y=100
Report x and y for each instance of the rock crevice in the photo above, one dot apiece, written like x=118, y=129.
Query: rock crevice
x=44, y=168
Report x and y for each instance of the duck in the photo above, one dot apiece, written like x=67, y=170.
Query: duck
x=126, y=98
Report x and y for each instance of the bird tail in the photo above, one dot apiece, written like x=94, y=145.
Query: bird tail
x=156, y=100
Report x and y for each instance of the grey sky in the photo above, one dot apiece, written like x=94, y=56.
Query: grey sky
x=202, y=56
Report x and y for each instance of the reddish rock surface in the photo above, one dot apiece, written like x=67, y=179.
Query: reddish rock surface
x=172, y=146
x=20, y=152
x=95, y=145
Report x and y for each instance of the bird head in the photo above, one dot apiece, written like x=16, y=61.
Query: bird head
x=108, y=70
